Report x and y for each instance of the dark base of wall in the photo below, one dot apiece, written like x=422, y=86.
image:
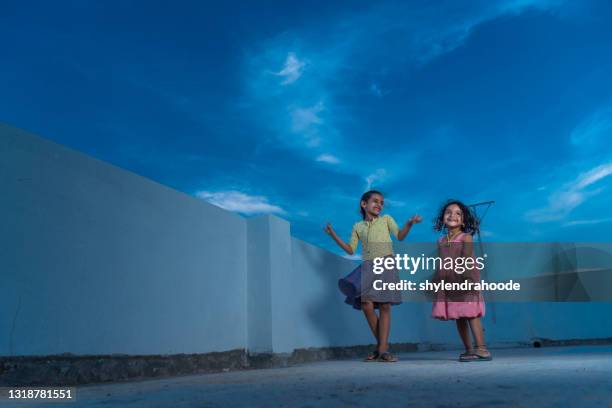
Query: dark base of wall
x=271, y=360
x=69, y=369
x=571, y=342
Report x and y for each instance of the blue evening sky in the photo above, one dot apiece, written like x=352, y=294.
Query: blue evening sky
x=296, y=108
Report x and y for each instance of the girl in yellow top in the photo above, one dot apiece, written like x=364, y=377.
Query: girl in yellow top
x=374, y=232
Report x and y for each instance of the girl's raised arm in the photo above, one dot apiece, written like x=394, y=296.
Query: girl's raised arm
x=349, y=249
x=404, y=231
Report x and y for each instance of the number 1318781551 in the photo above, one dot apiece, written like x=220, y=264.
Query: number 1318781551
x=39, y=393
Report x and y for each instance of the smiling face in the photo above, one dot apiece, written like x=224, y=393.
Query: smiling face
x=374, y=205
x=453, y=216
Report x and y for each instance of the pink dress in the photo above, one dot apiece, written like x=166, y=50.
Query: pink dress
x=456, y=305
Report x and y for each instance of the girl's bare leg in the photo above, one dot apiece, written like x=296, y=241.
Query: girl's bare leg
x=384, y=327
x=464, y=333
x=478, y=332
x=372, y=318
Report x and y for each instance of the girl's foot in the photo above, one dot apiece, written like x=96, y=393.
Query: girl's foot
x=467, y=356
x=373, y=356
x=387, y=357
x=482, y=354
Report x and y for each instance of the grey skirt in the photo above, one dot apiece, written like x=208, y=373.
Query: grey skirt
x=372, y=284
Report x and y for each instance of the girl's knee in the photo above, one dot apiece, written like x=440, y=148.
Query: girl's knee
x=367, y=306
x=385, y=307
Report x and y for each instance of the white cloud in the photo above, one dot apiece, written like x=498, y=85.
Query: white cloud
x=394, y=203
x=571, y=195
x=594, y=175
x=328, y=158
x=238, y=201
x=306, y=121
x=427, y=32
x=304, y=118
x=587, y=222
x=356, y=46
x=298, y=115
x=292, y=69
x=592, y=130
x=378, y=176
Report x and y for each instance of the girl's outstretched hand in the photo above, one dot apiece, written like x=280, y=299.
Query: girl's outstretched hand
x=415, y=219
x=330, y=231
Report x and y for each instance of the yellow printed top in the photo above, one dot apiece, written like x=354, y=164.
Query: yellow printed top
x=374, y=236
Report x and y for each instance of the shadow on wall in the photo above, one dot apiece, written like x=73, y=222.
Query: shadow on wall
x=322, y=303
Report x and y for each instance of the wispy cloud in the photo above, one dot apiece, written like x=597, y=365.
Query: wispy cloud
x=594, y=175
x=311, y=109
x=308, y=116
x=587, y=222
x=328, y=158
x=593, y=130
x=238, y=201
x=426, y=33
x=292, y=69
x=394, y=203
x=298, y=116
x=306, y=121
x=377, y=177
x=571, y=195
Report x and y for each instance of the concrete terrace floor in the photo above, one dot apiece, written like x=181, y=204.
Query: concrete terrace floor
x=578, y=376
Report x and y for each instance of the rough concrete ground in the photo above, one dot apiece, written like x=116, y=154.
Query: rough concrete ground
x=578, y=376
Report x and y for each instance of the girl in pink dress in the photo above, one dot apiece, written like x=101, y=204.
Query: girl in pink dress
x=466, y=307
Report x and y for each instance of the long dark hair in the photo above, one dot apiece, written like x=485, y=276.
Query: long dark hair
x=470, y=221
x=365, y=197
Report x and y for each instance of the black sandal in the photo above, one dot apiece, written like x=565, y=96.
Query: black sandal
x=387, y=357
x=480, y=357
x=467, y=356
x=373, y=356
